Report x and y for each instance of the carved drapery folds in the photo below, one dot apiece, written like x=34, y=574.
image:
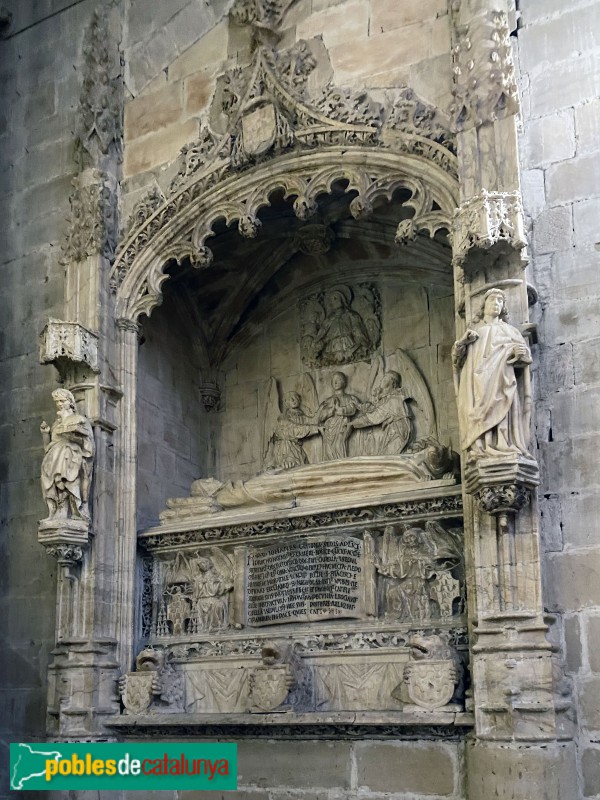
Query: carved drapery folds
x=270, y=111
x=485, y=86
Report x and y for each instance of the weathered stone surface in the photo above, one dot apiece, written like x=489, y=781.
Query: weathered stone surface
x=589, y=707
x=423, y=768
x=198, y=92
x=550, y=139
x=157, y=148
x=576, y=179
x=586, y=357
x=592, y=626
x=590, y=763
x=386, y=14
x=153, y=111
x=573, y=579
x=587, y=127
x=564, y=85
x=340, y=24
x=587, y=229
x=573, y=642
x=206, y=54
x=521, y=772
x=260, y=764
x=553, y=230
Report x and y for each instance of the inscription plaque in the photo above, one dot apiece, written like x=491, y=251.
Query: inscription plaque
x=306, y=580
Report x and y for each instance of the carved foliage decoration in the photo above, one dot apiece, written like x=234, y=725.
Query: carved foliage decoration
x=270, y=110
x=91, y=223
x=68, y=340
x=100, y=125
x=483, y=221
x=485, y=86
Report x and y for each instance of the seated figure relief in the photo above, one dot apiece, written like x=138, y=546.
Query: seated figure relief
x=340, y=326
x=420, y=564
x=196, y=593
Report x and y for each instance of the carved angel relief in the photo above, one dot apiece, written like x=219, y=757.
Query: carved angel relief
x=340, y=326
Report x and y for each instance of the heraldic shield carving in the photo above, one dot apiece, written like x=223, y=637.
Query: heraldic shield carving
x=430, y=684
x=137, y=694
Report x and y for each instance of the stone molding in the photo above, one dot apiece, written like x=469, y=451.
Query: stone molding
x=70, y=341
x=65, y=540
x=167, y=537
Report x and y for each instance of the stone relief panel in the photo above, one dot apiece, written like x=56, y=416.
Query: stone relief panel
x=195, y=593
x=340, y=326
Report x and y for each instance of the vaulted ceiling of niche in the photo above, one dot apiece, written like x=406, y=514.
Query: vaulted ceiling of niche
x=252, y=279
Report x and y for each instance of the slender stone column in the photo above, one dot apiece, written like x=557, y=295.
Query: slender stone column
x=126, y=469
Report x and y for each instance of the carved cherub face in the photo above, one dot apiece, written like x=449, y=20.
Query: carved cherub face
x=338, y=380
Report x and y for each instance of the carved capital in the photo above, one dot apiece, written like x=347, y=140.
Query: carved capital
x=66, y=540
x=485, y=86
x=502, y=485
x=68, y=341
x=486, y=219
x=504, y=498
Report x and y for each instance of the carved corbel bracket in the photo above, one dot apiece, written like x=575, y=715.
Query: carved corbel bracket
x=66, y=540
x=63, y=342
x=502, y=485
x=485, y=220
x=211, y=396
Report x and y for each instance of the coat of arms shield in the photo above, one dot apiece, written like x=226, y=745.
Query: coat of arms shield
x=137, y=695
x=269, y=686
x=430, y=684
x=259, y=127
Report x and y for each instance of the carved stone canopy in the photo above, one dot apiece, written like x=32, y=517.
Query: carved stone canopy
x=280, y=138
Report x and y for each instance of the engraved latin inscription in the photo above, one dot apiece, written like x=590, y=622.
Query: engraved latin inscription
x=306, y=580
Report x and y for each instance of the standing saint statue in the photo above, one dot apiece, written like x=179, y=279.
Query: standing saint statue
x=210, y=589
x=334, y=415
x=490, y=362
x=68, y=461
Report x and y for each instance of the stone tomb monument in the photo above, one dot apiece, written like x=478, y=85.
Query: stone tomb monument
x=328, y=583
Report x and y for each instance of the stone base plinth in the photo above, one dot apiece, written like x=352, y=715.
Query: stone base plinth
x=64, y=539
x=510, y=771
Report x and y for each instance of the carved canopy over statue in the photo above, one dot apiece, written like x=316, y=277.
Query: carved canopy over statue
x=492, y=380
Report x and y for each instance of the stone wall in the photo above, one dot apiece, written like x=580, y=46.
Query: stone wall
x=40, y=88
x=559, y=53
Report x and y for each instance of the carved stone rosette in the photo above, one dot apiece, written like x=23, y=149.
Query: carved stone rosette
x=485, y=220
x=69, y=341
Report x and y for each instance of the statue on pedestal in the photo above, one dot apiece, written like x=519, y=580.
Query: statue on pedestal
x=491, y=373
x=68, y=462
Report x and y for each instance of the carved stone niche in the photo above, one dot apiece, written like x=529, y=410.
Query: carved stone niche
x=312, y=612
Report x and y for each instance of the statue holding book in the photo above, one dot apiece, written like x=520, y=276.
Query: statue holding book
x=68, y=462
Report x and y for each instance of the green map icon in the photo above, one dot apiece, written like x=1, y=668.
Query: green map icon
x=27, y=762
